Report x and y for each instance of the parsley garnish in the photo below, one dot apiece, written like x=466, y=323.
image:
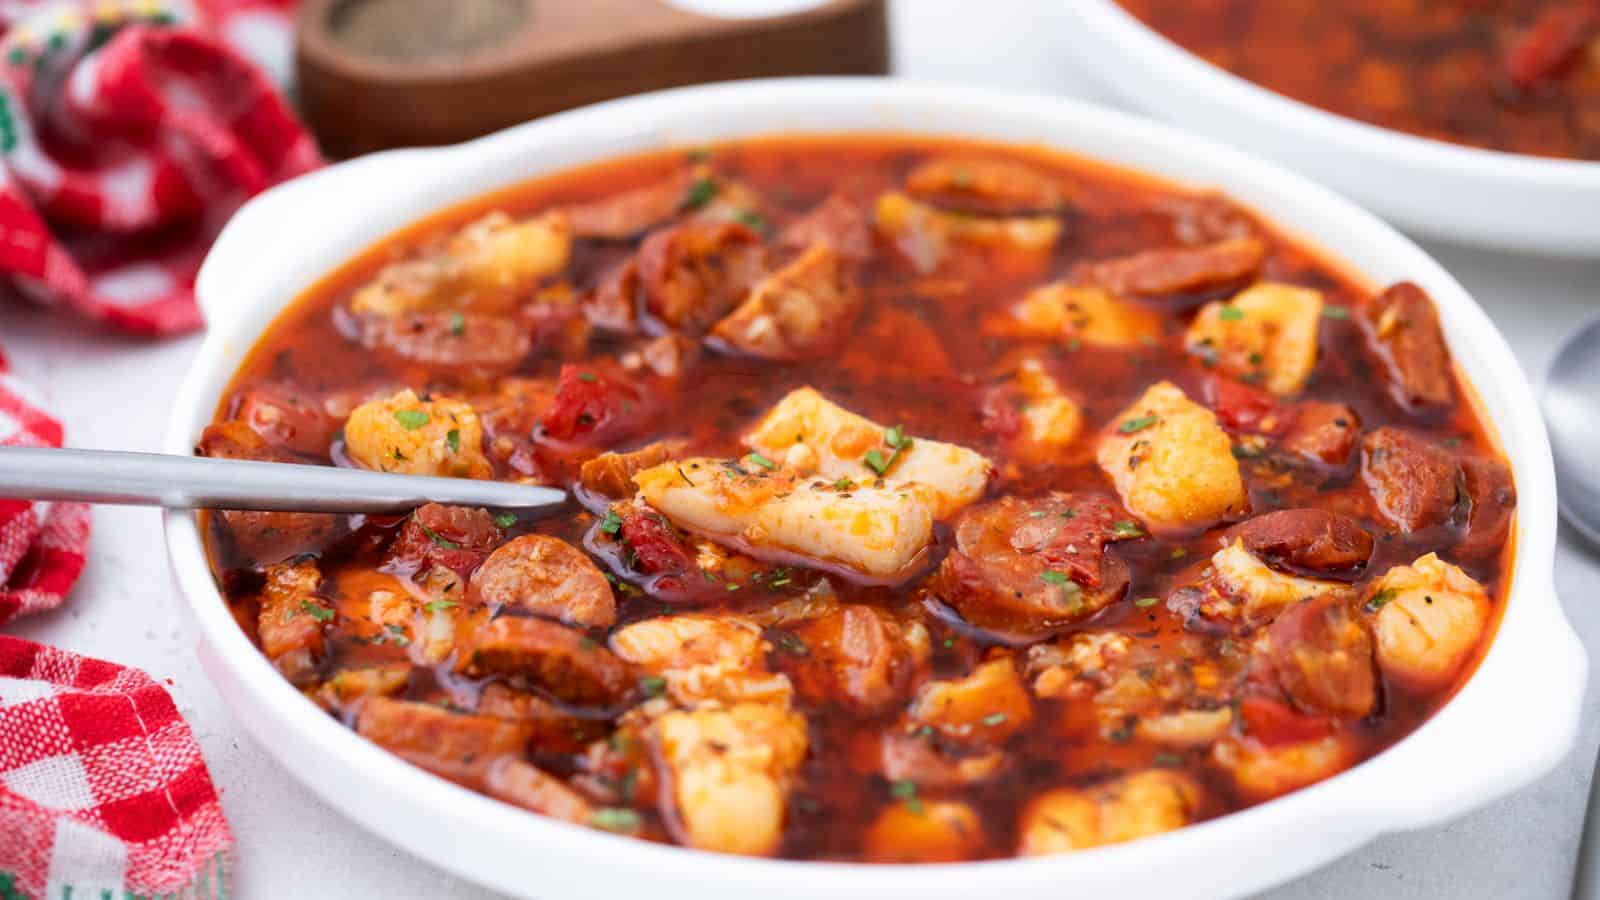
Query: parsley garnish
x=1146, y=602
x=993, y=719
x=1126, y=528
x=790, y=643
x=653, y=685
x=438, y=540
x=618, y=819
x=1139, y=424
x=1334, y=311
x=458, y=324
x=700, y=193
x=434, y=606
x=316, y=611
x=1167, y=760
x=1230, y=314
x=844, y=484
x=761, y=461
x=1055, y=577
x=1380, y=599
x=411, y=419
x=588, y=377
x=895, y=438
x=906, y=790
x=753, y=219
x=612, y=523
x=452, y=439
x=506, y=519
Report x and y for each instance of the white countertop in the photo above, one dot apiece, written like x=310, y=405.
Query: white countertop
x=114, y=393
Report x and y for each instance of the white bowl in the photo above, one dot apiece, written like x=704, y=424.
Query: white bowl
x=1518, y=713
x=1510, y=201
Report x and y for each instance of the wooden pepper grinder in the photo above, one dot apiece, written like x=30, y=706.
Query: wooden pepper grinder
x=375, y=74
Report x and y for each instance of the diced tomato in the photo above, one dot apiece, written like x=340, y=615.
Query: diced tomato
x=1240, y=406
x=1273, y=722
x=455, y=537
x=1551, y=43
x=587, y=403
x=657, y=547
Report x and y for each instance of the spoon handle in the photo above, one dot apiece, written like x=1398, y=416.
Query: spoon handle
x=189, y=482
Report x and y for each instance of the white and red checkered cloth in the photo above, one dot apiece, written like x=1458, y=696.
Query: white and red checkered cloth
x=129, y=131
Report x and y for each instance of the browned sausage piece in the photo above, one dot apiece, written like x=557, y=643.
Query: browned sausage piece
x=1493, y=498
x=1322, y=432
x=1036, y=562
x=266, y=537
x=452, y=745
x=524, y=784
x=695, y=273
x=610, y=475
x=550, y=728
x=288, y=417
x=1403, y=332
x=858, y=656
x=546, y=576
x=1311, y=542
x=838, y=222
x=465, y=344
x=1156, y=273
x=627, y=213
x=569, y=665
x=989, y=187
x=1322, y=655
x=1413, y=481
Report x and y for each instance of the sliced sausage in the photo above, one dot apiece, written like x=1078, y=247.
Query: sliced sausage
x=1413, y=481
x=288, y=417
x=1321, y=432
x=265, y=537
x=568, y=665
x=1403, y=332
x=1322, y=656
x=1181, y=270
x=548, y=577
x=1491, y=498
x=452, y=745
x=838, y=222
x=990, y=187
x=859, y=656
x=1310, y=542
x=627, y=213
x=462, y=344
x=1037, y=562
x=801, y=311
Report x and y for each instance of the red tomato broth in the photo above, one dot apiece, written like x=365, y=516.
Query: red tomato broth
x=840, y=787
x=1519, y=76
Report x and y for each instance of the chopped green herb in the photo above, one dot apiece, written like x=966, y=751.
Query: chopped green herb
x=586, y=643
x=761, y=461
x=777, y=578
x=1178, y=553
x=1146, y=602
x=588, y=377
x=1335, y=311
x=411, y=419
x=653, y=685
x=906, y=790
x=894, y=436
x=452, y=439
x=876, y=462
x=993, y=719
x=458, y=324
x=700, y=193
x=506, y=519
x=434, y=606
x=1074, y=345
x=612, y=523
x=1167, y=760
x=752, y=219
x=618, y=819
x=844, y=484
x=1380, y=599
x=790, y=643
x=316, y=611
x=396, y=635
x=438, y=540
x=1245, y=451
x=1125, y=528
x=629, y=784
x=1055, y=577
x=1453, y=441
x=1139, y=424
x=1230, y=314
x=1120, y=735
x=1037, y=514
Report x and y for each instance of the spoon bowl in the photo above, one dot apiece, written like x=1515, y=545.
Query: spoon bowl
x=1571, y=404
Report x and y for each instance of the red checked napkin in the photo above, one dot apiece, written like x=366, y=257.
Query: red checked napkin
x=127, y=138
x=124, y=146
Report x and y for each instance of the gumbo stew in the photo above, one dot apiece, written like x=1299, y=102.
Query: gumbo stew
x=931, y=501
x=1522, y=76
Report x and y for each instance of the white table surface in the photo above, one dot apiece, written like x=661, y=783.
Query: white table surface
x=114, y=393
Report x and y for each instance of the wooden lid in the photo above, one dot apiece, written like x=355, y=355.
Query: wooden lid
x=386, y=73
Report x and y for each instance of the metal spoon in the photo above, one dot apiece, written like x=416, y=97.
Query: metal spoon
x=190, y=482
x=1571, y=404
